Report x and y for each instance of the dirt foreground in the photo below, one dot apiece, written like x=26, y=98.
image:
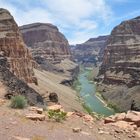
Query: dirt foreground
x=15, y=126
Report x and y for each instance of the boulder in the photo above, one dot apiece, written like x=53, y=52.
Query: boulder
x=130, y=116
x=39, y=110
x=20, y=138
x=53, y=97
x=120, y=116
x=35, y=117
x=109, y=119
x=77, y=130
x=55, y=107
x=36, y=109
x=133, y=116
x=125, y=125
x=88, y=118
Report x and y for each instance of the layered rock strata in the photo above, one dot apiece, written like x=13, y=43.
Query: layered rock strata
x=12, y=46
x=16, y=63
x=50, y=49
x=120, y=70
x=46, y=41
x=121, y=63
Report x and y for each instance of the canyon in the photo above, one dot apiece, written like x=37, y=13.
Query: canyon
x=91, y=51
x=44, y=66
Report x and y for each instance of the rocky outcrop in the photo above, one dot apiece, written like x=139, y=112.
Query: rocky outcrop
x=12, y=46
x=15, y=86
x=121, y=63
x=16, y=64
x=90, y=51
x=46, y=41
x=131, y=119
x=70, y=70
x=47, y=65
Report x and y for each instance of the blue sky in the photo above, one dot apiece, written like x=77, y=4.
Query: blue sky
x=78, y=20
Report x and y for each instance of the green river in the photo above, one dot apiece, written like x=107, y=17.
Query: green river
x=87, y=91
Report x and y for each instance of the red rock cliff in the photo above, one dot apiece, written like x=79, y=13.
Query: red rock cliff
x=15, y=62
x=13, y=48
x=121, y=63
x=45, y=40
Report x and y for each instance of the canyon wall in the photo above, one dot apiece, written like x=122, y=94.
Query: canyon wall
x=121, y=61
x=46, y=41
x=120, y=70
x=16, y=63
x=12, y=46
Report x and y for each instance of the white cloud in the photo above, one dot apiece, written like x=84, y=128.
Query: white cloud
x=73, y=11
x=34, y=15
x=79, y=16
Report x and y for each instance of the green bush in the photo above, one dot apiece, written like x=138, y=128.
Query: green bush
x=18, y=101
x=57, y=115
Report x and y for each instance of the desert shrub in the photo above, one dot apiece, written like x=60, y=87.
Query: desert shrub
x=57, y=115
x=18, y=101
